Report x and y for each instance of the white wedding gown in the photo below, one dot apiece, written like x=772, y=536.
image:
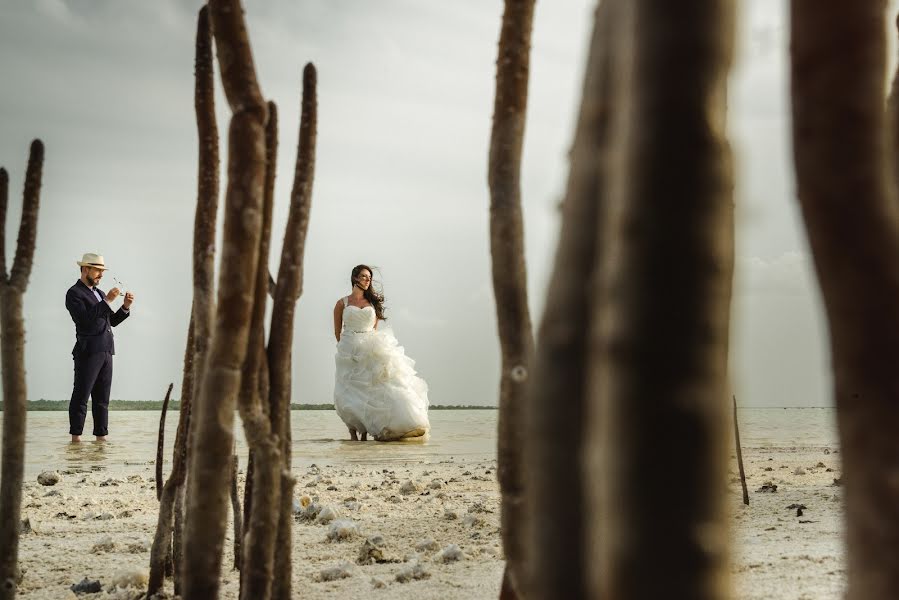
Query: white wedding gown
x=376, y=389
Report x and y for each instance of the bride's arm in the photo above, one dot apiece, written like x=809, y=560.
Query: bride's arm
x=338, y=318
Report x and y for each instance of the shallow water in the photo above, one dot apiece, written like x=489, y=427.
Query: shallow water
x=320, y=437
x=787, y=427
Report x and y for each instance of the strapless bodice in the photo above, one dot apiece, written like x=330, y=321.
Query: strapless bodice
x=358, y=320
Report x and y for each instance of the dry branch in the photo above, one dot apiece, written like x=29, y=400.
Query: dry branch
x=740, y=456
x=170, y=527
x=288, y=289
x=178, y=540
x=557, y=400
x=262, y=520
x=12, y=359
x=238, y=516
x=848, y=197
x=160, y=441
x=163, y=546
x=4, y=202
x=509, y=273
x=213, y=422
x=892, y=123
x=21, y=267
x=661, y=329
x=207, y=195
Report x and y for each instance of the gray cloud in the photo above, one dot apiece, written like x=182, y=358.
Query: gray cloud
x=405, y=100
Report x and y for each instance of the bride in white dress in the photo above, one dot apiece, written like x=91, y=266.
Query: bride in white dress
x=376, y=390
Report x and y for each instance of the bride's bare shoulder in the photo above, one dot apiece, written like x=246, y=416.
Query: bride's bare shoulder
x=339, y=304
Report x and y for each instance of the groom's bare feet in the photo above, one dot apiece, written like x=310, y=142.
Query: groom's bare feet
x=101, y=438
x=353, y=437
x=76, y=438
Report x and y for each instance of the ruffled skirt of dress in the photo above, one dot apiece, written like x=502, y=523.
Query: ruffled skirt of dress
x=376, y=389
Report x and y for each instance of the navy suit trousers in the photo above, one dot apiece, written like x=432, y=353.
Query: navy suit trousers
x=93, y=378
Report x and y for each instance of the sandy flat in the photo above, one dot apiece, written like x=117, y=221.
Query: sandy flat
x=778, y=554
x=99, y=524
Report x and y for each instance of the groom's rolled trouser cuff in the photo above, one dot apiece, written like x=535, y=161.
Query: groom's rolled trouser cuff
x=93, y=379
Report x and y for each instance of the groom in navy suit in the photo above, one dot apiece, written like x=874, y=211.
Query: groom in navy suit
x=94, y=319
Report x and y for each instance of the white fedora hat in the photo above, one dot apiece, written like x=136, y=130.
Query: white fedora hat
x=92, y=260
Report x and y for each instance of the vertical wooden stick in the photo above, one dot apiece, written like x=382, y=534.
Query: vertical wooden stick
x=160, y=441
x=286, y=293
x=265, y=487
x=163, y=547
x=846, y=186
x=662, y=327
x=510, y=275
x=213, y=422
x=558, y=400
x=12, y=359
x=740, y=456
x=170, y=525
x=238, y=516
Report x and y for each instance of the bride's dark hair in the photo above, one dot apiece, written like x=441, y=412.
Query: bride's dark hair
x=375, y=298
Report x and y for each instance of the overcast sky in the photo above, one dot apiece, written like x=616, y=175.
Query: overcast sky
x=405, y=92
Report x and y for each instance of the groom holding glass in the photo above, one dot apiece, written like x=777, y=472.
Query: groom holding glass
x=94, y=318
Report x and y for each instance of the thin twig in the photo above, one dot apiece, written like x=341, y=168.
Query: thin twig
x=740, y=455
x=160, y=441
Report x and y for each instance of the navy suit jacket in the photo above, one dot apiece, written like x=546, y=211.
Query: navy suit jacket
x=93, y=319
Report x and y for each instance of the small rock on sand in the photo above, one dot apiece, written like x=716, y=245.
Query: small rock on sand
x=372, y=551
x=478, y=507
x=327, y=514
x=139, y=547
x=342, y=529
x=136, y=578
x=409, y=487
x=106, y=544
x=427, y=545
x=341, y=570
x=86, y=586
x=473, y=520
x=310, y=513
x=412, y=571
x=450, y=553
x=378, y=583
x=48, y=478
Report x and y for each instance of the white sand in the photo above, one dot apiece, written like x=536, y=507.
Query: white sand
x=67, y=526
x=776, y=554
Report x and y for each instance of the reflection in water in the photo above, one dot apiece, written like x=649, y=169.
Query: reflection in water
x=319, y=436
x=86, y=454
